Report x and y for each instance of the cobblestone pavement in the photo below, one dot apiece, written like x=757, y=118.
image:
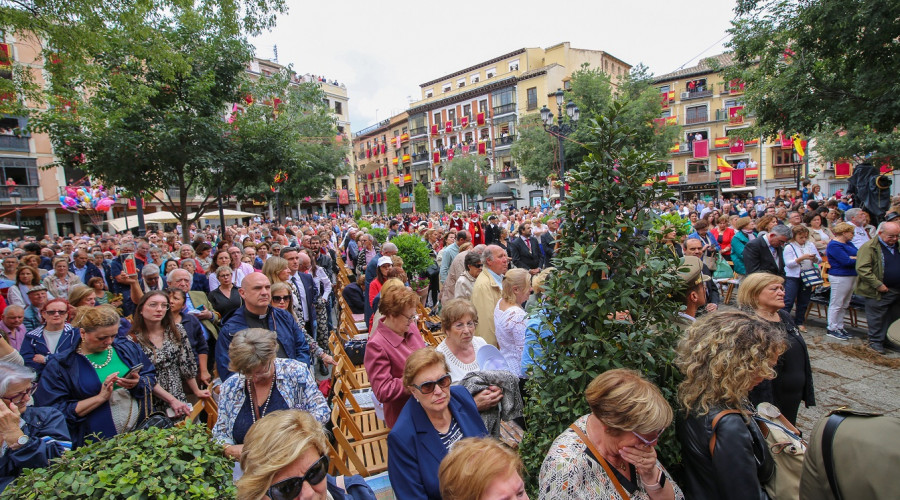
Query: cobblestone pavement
x=847, y=373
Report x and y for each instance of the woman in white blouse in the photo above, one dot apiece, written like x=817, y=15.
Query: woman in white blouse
x=800, y=254
x=509, y=318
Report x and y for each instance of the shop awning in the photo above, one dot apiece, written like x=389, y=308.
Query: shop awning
x=739, y=189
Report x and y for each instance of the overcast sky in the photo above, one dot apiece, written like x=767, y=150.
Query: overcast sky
x=382, y=51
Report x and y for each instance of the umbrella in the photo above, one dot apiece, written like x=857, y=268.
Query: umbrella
x=9, y=227
x=759, y=198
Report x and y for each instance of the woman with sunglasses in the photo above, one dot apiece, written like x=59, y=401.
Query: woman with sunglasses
x=395, y=336
x=32, y=436
x=283, y=299
x=285, y=457
x=609, y=453
x=168, y=346
x=436, y=417
x=56, y=335
x=465, y=283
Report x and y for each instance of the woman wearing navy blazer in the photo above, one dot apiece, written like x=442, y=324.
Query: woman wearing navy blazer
x=55, y=336
x=435, y=418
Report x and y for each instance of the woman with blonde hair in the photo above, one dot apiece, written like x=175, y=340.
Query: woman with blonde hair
x=276, y=269
x=723, y=356
x=285, y=456
x=498, y=475
x=61, y=280
x=509, y=318
x=841, y=254
x=611, y=450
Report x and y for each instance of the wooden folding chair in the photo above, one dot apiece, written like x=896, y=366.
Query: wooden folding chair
x=205, y=405
x=364, y=457
x=355, y=377
x=362, y=424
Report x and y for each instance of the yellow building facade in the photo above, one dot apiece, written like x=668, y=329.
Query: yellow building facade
x=383, y=155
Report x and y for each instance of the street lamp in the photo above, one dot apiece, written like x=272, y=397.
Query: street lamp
x=718, y=191
x=16, y=199
x=561, y=130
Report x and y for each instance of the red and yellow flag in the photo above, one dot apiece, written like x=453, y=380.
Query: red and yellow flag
x=723, y=165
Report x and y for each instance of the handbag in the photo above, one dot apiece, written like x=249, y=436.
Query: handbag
x=723, y=270
x=788, y=450
x=154, y=418
x=812, y=276
x=356, y=351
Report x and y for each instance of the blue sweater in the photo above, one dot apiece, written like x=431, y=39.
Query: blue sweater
x=841, y=258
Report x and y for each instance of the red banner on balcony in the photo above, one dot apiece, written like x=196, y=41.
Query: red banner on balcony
x=383, y=148
x=482, y=147
x=406, y=158
x=434, y=130
x=701, y=149
x=786, y=141
x=737, y=146
x=450, y=154
x=734, y=114
x=479, y=119
x=437, y=157
x=5, y=55
x=368, y=153
x=437, y=187
x=672, y=179
x=448, y=127
x=465, y=121
x=396, y=180
x=738, y=178
x=404, y=137
x=842, y=170
x=671, y=96
x=736, y=86
x=384, y=171
x=407, y=178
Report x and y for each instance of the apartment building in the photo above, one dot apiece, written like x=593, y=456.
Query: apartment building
x=383, y=155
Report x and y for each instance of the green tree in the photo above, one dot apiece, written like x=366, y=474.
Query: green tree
x=465, y=175
x=599, y=272
x=423, y=206
x=534, y=152
x=821, y=67
x=393, y=199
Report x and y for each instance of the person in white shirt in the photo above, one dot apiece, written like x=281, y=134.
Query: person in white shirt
x=800, y=254
x=858, y=218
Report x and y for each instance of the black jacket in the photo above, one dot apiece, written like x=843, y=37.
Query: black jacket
x=758, y=258
x=547, y=244
x=522, y=257
x=738, y=468
x=491, y=234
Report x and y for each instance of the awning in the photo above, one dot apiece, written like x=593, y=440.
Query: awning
x=213, y=214
x=738, y=189
x=120, y=225
x=9, y=227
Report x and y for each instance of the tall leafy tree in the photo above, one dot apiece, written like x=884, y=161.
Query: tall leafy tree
x=392, y=200
x=534, y=151
x=423, y=206
x=819, y=68
x=465, y=175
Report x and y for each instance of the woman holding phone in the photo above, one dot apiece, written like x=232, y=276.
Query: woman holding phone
x=98, y=383
x=168, y=346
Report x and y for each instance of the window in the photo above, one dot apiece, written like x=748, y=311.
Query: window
x=338, y=109
x=446, y=88
x=698, y=85
x=24, y=172
x=664, y=89
x=429, y=93
x=697, y=167
x=451, y=116
x=406, y=150
x=467, y=110
x=482, y=106
x=404, y=130
x=327, y=103
x=514, y=65
x=730, y=103
x=696, y=114
x=437, y=119
x=504, y=101
x=460, y=83
x=474, y=78
x=567, y=84
x=490, y=73
x=396, y=133
x=532, y=98
x=665, y=113
x=340, y=129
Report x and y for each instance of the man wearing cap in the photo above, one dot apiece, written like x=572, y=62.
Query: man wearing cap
x=694, y=292
x=38, y=297
x=492, y=231
x=878, y=268
x=694, y=248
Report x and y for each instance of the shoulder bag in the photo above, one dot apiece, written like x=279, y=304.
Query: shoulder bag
x=602, y=461
x=153, y=418
x=810, y=276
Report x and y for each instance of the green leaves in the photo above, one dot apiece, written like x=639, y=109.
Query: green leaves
x=177, y=463
x=465, y=175
x=414, y=252
x=393, y=199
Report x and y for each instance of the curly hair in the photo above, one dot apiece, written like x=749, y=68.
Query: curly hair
x=723, y=356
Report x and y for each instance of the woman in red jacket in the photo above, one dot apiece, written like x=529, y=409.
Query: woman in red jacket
x=723, y=232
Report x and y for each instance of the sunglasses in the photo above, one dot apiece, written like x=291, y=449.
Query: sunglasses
x=55, y=312
x=290, y=488
x=428, y=387
x=281, y=298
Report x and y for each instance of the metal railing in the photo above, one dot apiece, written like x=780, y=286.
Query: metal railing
x=28, y=193
x=14, y=143
x=505, y=109
x=691, y=120
x=504, y=140
x=418, y=131
x=786, y=171
x=508, y=174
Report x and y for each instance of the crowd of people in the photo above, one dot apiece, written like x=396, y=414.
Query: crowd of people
x=102, y=330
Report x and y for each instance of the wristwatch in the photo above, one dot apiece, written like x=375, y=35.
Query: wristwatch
x=22, y=441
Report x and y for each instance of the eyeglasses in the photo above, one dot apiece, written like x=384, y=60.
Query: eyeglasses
x=649, y=442
x=471, y=325
x=19, y=397
x=281, y=298
x=428, y=387
x=479, y=266
x=159, y=306
x=411, y=319
x=55, y=312
x=290, y=488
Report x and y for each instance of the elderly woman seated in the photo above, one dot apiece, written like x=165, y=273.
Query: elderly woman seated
x=286, y=457
x=430, y=423
x=262, y=384
x=609, y=453
x=32, y=436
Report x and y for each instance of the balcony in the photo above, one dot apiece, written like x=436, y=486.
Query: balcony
x=786, y=170
x=418, y=131
x=701, y=177
x=508, y=175
x=693, y=120
x=14, y=143
x=696, y=94
x=420, y=157
x=29, y=193
x=504, y=141
x=504, y=109
x=419, y=167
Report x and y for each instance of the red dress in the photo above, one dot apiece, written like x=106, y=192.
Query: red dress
x=477, y=232
x=456, y=224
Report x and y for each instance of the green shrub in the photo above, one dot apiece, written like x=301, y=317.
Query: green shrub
x=364, y=224
x=379, y=233
x=669, y=221
x=414, y=252
x=602, y=268
x=393, y=200
x=357, y=214
x=449, y=207
x=484, y=216
x=421, y=195
x=178, y=463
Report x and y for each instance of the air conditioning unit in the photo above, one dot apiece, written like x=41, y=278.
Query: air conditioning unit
x=829, y=166
x=682, y=178
x=685, y=95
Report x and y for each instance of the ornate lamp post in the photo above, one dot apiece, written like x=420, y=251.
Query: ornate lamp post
x=561, y=130
x=718, y=189
x=16, y=199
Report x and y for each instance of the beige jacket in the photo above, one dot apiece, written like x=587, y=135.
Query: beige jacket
x=485, y=295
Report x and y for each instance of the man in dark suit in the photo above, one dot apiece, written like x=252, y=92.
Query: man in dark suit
x=548, y=241
x=304, y=289
x=766, y=254
x=492, y=231
x=525, y=250
x=83, y=268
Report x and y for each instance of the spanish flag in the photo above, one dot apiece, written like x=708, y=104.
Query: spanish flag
x=798, y=145
x=723, y=165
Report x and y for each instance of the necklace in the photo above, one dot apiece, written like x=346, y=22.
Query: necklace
x=622, y=468
x=95, y=365
x=265, y=406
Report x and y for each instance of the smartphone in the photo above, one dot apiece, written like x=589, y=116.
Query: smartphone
x=130, y=266
x=134, y=369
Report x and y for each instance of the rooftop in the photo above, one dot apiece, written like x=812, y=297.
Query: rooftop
x=725, y=59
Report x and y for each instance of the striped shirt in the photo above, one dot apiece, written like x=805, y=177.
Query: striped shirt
x=453, y=434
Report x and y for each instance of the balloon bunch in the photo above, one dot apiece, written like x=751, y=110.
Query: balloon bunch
x=91, y=198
